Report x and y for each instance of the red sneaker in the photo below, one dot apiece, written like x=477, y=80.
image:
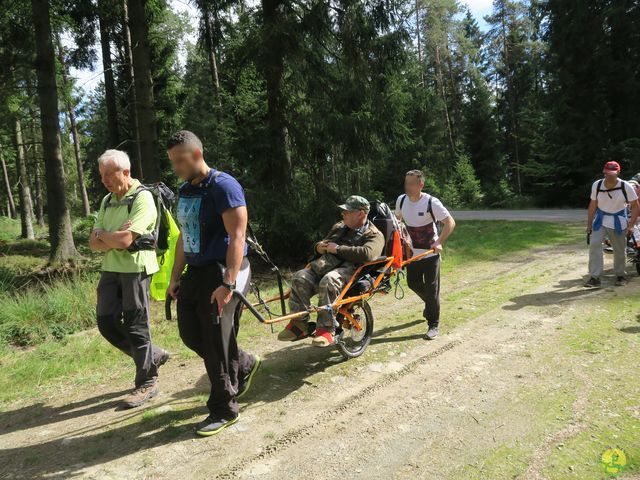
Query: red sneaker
x=323, y=338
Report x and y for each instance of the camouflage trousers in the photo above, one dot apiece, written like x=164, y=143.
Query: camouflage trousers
x=305, y=284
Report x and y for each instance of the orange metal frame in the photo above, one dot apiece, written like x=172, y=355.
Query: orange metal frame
x=341, y=304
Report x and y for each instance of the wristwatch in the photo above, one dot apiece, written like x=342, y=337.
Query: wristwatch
x=229, y=286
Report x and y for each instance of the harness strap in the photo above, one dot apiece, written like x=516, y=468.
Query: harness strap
x=608, y=191
x=429, y=207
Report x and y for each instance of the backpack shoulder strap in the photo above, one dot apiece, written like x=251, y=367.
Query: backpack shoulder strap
x=599, y=187
x=430, y=209
x=215, y=175
x=404, y=197
x=623, y=187
x=133, y=197
x=106, y=199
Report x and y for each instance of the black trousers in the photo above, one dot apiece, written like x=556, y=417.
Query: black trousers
x=213, y=340
x=123, y=319
x=423, y=277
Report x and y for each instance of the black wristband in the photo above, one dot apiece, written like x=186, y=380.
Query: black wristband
x=229, y=286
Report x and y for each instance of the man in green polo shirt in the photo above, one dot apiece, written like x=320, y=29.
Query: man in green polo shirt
x=127, y=216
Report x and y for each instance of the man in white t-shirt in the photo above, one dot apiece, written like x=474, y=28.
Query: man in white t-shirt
x=607, y=216
x=420, y=212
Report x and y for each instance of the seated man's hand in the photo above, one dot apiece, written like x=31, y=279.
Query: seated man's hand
x=332, y=247
x=437, y=247
x=321, y=247
x=125, y=226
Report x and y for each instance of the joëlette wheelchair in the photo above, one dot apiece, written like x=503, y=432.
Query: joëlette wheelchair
x=351, y=309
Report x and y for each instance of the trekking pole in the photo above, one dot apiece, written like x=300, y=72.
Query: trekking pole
x=167, y=305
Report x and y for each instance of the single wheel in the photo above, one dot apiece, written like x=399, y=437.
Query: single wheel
x=350, y=341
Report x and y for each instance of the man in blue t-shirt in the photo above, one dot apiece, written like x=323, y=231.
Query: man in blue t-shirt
x=212, y=214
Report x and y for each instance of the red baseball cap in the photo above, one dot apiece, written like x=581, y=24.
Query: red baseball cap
x=610, y=167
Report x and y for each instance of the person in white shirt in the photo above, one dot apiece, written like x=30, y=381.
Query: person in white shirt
x=607, y=216
x=635, y=235
x=420, y=212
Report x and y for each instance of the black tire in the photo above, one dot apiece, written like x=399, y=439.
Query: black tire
x=637, y=262
x=352, y=343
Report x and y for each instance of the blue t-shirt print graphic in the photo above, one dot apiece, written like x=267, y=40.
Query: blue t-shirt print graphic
x=200, y=210
x=189, y=218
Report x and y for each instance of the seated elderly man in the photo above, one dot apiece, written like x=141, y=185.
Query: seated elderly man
x=350, y=243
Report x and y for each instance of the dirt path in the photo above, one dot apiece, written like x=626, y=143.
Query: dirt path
x=540, y=215
x=407, y=409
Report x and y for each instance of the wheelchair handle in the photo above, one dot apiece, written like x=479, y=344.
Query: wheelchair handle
x=249, y=305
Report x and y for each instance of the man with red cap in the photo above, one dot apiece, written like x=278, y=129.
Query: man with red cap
x=607, y=216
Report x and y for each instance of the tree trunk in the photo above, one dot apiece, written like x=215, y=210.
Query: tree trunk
x=37, y=176
x=35, y=163
x=7, y=185
x=211, y=54
x=74, y=135
x=26, y=206
x=279, y=160
x=143, y=83
x=447, y=118
x=62, y=246
x=419, y=41
x=109, y=85
x=511, y=99
x=134, y=151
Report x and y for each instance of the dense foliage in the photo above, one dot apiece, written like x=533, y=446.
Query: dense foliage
x=308, y=101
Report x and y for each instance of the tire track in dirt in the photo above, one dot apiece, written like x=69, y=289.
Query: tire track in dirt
x=292, y=437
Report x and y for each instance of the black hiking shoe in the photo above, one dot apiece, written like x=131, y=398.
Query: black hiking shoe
x=621, y=281
x=245, y=383
x=432, y=333
x=593, y=283
x=212, y=425
x=164, y=358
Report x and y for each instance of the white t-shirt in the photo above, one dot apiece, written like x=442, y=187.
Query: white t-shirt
x=419, y=221
x=613, y=202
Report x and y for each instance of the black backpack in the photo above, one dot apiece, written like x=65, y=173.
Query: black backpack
x=384, y=219
x=159, y=239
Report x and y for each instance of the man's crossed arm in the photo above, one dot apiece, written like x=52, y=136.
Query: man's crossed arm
x=121, y=239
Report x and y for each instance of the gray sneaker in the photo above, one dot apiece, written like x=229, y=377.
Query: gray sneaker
x=432, y=333
x=212, y=425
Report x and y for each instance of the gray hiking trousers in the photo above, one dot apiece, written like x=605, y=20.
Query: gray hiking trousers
x=123, y=319
x=619, y=245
